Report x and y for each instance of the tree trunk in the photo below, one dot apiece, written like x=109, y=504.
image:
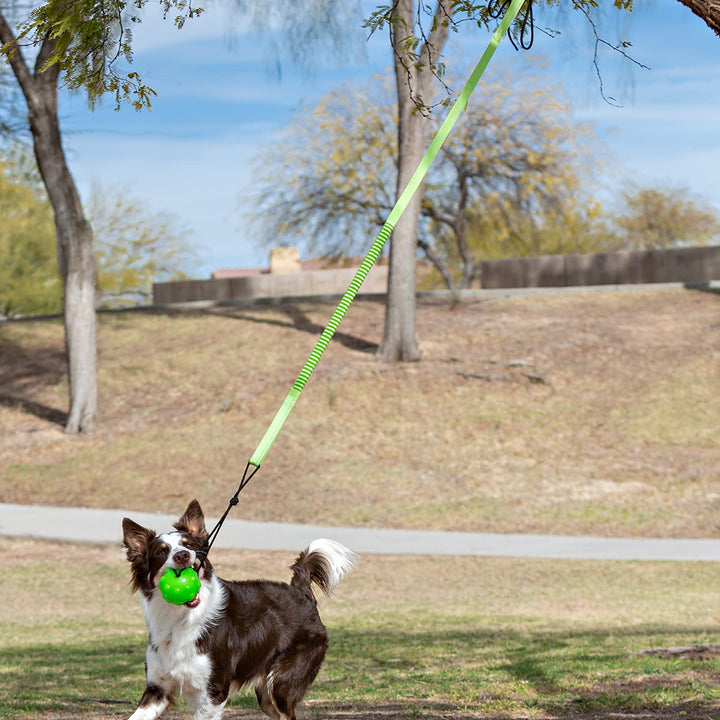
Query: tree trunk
x=76, y=259
x=706, y=10
x=399, y=343
x=414, y=86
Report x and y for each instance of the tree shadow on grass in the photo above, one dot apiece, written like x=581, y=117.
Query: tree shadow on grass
x=589, y=674
x=594, y=674
x=49, y=680
x=24, y=373
x=44, y=412
x=299, y=320
x=415, y=673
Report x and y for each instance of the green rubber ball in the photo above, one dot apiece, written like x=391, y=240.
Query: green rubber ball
x=179, y=587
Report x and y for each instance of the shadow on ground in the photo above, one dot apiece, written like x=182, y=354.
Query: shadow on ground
x=584, y=675
x=24, y=374
x=299, y=320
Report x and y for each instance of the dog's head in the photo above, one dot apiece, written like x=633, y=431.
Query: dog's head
x=150, y=554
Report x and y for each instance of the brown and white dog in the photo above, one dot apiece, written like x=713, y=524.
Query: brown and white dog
x=260, y=633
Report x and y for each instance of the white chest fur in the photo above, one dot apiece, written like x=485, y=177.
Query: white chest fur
x=174, y=662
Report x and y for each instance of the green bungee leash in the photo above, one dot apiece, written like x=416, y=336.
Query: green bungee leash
x=513, y=8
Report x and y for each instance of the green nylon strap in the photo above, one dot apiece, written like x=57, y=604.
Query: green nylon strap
x=374, y=253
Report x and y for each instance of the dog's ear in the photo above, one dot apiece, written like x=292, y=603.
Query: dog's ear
x=135, y=538
x=193, y=521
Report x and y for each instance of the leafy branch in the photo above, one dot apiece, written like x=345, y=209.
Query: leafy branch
x=89, y=39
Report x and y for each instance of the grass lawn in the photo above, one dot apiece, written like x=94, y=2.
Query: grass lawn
x=410, y=637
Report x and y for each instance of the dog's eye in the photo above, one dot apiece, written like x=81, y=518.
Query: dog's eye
x=162, y=551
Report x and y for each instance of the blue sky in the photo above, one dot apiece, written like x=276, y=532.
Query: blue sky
x=220, y=103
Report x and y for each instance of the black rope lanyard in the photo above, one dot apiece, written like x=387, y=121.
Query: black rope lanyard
x=234, y=500
x=497, y=8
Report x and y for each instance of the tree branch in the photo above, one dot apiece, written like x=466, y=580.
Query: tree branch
x=437, y=263
x=617, y=48
x=9, y=46
x=706, y=10
x=412, y=34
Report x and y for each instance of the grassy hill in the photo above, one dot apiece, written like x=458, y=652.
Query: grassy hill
x=592, y=413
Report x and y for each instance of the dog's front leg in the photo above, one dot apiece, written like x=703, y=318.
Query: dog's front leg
x=152, y=704
x=208, y=710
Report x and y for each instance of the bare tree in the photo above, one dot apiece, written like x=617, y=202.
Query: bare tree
x=515, y=177
x=417, y=60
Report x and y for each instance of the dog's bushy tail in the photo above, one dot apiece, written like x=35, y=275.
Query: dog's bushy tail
x=323, y=562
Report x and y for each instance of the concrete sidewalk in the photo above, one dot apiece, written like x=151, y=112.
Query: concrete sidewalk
x=103, y=526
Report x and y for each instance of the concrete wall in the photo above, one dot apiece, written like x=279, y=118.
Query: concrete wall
x=684, y=265
x=304, y=284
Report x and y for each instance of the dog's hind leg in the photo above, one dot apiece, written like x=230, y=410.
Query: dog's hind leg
x=294, y=672
x=265, y=699
x=152, y=704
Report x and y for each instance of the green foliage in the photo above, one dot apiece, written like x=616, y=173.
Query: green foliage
x=29, y=279
x=135, y=246
x=655, y=218
x=90, y=37
x=453, y=14
x=458, y=11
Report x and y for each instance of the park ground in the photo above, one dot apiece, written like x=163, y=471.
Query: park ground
x=590, y=413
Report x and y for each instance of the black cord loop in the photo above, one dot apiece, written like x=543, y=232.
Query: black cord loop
x=498, y=8
x=234, y=500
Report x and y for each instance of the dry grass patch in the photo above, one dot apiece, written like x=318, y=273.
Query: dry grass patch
x=591, y=413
